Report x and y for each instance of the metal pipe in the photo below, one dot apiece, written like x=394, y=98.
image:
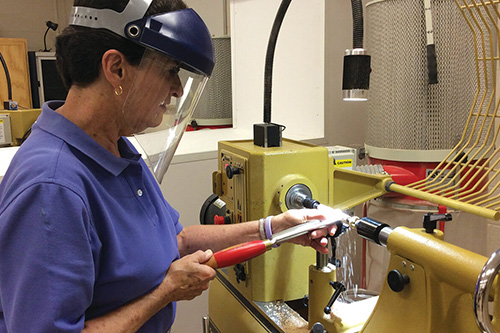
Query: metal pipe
x=321, y=260
x=225, y=18
x=462, y=206
x=206, y=325
x=341, y=220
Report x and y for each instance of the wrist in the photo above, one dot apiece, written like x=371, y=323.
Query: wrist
x=268, y=228
x=262, y=230
x=163, y=294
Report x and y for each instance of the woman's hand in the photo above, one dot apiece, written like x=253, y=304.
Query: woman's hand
x=315, y=239
x=187, y=277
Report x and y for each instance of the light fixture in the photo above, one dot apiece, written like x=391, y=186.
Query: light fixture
x=50, y=25
x=269, y=134
x=357, y=62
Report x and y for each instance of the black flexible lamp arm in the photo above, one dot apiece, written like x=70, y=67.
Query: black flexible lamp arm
x=357, y=24
x=45, y=40
x=7, y=75
x=268, y=134
x=271, y=47
x=50, y=25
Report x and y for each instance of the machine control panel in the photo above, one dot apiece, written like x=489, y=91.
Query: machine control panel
x=234, y=185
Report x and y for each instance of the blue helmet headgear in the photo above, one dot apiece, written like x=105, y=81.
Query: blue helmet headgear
x=157, y=108
x=180, y=34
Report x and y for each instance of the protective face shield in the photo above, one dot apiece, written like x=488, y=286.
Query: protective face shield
x=159, y=106
x=170, y=78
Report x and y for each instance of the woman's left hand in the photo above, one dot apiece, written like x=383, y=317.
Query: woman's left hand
x=315, y=239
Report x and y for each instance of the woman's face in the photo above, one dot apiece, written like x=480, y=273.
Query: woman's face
x=149, y=99
x=161, y=103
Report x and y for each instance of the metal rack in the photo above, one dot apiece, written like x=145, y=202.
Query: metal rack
x=469, y=176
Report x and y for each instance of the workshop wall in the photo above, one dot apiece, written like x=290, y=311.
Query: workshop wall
x=26, y=19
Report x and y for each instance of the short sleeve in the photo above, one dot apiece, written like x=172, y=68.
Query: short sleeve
x=47, y=260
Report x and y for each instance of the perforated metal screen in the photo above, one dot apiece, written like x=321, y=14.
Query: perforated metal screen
x=404, y=110
x=215, y=105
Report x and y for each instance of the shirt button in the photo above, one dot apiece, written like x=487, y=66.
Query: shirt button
x=139, y=192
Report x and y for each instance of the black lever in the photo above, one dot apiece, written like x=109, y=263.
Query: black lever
x=339, y=287
x=430, y=221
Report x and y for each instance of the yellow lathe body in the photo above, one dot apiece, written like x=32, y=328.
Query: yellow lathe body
x=255, y=187
x=261, y=295
x=439, y=293
x=257, y=190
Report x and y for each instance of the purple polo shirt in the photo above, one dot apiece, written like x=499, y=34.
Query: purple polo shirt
x=82, y=232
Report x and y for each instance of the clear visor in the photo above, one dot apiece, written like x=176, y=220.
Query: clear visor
x=159, y=106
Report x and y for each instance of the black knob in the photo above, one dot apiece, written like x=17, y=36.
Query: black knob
x=318, y=328
x=397, y=280
x=305, y=301
x=231, y=171
x=240, y=273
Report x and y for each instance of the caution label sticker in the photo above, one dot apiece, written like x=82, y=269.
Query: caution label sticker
x=343, y=163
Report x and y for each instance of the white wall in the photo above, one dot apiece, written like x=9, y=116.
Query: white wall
x=298, y=103
x=298, y=73
x=345, y=122
x=214, y=13
x=26, y=19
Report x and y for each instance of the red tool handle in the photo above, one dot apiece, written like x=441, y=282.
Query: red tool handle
x=239, y=253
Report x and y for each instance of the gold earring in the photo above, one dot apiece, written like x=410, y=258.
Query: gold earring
x=119, y=92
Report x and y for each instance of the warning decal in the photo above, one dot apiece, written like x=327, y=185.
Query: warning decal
x=343, y=163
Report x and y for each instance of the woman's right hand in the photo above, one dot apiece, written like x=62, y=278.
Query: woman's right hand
x=188, y=277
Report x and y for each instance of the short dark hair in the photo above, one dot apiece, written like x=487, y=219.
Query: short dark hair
x=79, y=50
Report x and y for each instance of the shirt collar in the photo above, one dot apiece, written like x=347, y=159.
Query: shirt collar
x=59, y=126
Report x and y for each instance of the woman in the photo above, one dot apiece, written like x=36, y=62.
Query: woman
x=87, y=241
